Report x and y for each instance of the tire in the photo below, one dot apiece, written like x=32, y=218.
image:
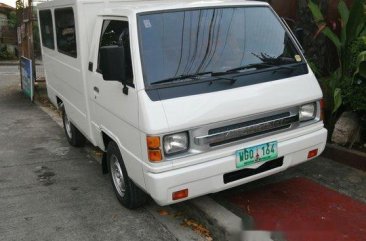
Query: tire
x=128, y=194
x=73, y=135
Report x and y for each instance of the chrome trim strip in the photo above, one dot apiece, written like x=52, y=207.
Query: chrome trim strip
x=246, y=131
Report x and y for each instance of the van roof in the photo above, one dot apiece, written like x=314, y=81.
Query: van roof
x=153, y=5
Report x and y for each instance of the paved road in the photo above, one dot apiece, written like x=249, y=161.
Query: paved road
x=9, y=70
x=13, y=70
x=51, y=191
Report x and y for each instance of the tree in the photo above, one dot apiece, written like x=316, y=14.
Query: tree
x=12, y=20
x=19, y=4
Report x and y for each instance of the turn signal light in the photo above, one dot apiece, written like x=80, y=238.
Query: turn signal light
x=153, y=142
x=153, y=148
x=180, y=194
x=312, y=153
x=155, y=155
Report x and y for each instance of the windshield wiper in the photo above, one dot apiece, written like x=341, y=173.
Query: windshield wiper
x=249, y=66
x=254, y=66
x=237, y=69
x=181, y=77
x=184, y=78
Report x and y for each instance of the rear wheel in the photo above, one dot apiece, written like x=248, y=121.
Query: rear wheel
x=73, y=135
x=130, y=195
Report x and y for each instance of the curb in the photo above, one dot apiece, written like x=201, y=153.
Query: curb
x=223, y=224
x=218, y=216
x=345, y=156
x=10, y=63
x=6, y=63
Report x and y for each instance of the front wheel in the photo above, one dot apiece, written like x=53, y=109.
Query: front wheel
x=130, y=195
x=73, y=135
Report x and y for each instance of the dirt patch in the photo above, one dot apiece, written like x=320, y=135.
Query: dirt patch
x=45, y=175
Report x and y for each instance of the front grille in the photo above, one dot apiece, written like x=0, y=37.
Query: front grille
x=239, y=131
x=237, y=175
x=248, y=136
x=248, y=123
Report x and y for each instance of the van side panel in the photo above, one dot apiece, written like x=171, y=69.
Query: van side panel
x=64, y=78
x=112, y=112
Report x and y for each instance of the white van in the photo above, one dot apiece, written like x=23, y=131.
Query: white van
x=186, y=98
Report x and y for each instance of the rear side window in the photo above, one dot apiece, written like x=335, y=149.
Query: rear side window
x=65, y=31
x=45, y=18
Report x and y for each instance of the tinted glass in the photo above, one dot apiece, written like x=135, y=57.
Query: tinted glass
x=117, y=33
x=45, y=18
x=203, y=40
x=65, y=31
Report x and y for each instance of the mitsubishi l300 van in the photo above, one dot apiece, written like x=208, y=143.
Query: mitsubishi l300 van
x=185, y=98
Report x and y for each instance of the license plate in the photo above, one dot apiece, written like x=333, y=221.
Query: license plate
x=256, y=154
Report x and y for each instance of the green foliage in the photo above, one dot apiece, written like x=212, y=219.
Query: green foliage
x=355, y=49
x=353, y=23
x=355, y=95
x=314, y=68
x=12, y=20
x=355, y=91
x=19, y=4
x=5, y=54
x=361, y=65
x=337, y=99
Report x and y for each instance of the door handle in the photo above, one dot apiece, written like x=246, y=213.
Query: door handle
x=96, y=89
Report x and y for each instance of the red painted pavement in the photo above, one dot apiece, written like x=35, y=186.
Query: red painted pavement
x=304, y=211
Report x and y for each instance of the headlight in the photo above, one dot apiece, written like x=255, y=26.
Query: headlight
x=176, y=143
x=307, y=112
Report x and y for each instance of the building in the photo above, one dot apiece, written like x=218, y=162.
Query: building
x=8, y=40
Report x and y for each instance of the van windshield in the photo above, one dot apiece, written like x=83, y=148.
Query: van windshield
x=190, y=43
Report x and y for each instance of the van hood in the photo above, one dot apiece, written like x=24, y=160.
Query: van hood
x=192, y=111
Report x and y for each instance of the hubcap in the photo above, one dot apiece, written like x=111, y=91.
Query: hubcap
x=117, y=176
x=68, y=126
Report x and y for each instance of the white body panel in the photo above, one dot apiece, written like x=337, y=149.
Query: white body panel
x=207, y=177
x=128, y=119
x=188, y=112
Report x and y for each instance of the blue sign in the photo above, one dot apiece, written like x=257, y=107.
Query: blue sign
x=27, y=77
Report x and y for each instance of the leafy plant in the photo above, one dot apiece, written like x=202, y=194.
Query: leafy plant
x=361, y=65
x=355, y=49
x=12, y=19
x=5, y=54
x=19, y=4
x=353, y=26
x=355, y=94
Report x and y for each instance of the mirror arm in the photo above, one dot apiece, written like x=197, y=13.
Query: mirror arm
x=125, y=89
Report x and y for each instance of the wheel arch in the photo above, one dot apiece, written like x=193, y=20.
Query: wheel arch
x=133, y=167
x=106, y=139
x=60, y=103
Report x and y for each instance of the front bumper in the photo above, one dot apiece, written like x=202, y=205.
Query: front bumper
x=207, y=177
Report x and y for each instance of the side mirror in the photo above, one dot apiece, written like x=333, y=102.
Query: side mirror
x=112, y=62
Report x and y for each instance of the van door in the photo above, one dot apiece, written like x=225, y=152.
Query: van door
x=112, y=111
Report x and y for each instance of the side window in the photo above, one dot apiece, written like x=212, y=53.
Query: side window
x=45, y=18
x=115, y=32
x=65, y=31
